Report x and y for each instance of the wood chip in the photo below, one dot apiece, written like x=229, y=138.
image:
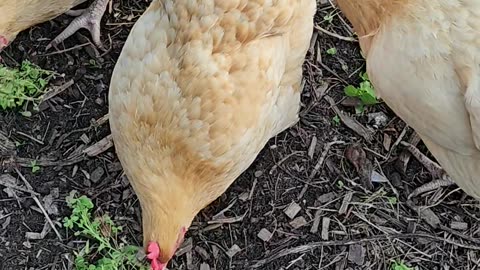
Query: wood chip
x=10, y=184
x=356, y=254
x=387, y=141
x=39, y=236
x=364, y=167
x=215, y=251
x=202, y=252
x=327, y=197
x=85, y=139
x=325, y=228
x=226, y=220
x=292, y=210
x=258, y=173
x=351, y=123
x=298, y=222
x=316, y=222
x=244, y=196
x=185, y=247
x=189, y=260
x=97, y=174
x=114, y=167
x=204, y=266
x=345, y=203
x=7, y=147
x=99, y=147
x=233, y=250
x=7, y=221
x=250, y=196
x=265, y=235
x=55, y=91
x=459, y=226
x=311, y=148
x=404, y=157
x=379, y=119
x=426, y=214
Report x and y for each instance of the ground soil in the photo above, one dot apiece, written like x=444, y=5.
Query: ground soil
x=367, y=230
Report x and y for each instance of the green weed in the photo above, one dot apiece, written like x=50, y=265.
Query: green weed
x=332, y=51
x=34, y=166
x=329, y=17
x=336, y=120
x=18, y=86
x=399, y=265
x=101, y=234
x=364, y=92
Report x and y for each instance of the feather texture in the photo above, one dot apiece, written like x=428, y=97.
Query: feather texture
x=425, y=64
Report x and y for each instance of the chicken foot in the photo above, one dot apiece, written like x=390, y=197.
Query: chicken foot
x=441, y=177
x=88, y=18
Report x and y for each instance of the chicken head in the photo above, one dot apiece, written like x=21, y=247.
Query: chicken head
x=158, y=258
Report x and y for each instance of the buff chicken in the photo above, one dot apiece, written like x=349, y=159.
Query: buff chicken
x=198, y=90
x=18, y=15
x=423, y=57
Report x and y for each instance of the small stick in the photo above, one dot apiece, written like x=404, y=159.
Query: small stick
x=335, y=35
x=30, y=137
x=318, y=166
x=37, y=201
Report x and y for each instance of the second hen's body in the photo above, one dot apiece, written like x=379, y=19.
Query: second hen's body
x=423, y=57
x=198, y=90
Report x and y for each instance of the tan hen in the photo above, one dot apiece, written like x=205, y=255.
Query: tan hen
x=423, y=57
x=198, y=90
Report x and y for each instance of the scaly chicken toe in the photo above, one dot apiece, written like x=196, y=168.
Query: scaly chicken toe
x=442, y=179
x=88, y=18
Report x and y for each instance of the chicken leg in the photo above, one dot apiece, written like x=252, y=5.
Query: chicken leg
x=441, y=177
x=88, y=18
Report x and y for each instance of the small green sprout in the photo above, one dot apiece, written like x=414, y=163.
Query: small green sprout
x=25, y=84
x=392, y=200
x=102, y=243
x=336, y=120
x=364, y=92
x=340, y=184
x=329, y=17
x=35, y=167
x=396, y=265
x=94, y=64
x=332, y=51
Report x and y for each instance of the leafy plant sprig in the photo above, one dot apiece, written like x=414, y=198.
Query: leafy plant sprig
x=25, y=84
x=102, y=239
x=365, y=92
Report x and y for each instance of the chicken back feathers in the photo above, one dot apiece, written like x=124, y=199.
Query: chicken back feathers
x=424, y=61
x=198, y=90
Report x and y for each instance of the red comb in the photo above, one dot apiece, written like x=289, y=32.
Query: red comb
x=153, y=254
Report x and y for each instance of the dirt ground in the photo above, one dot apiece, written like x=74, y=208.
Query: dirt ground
x=341, y=224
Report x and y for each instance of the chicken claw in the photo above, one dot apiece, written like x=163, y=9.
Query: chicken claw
x=88, y=18
x=442, y=179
